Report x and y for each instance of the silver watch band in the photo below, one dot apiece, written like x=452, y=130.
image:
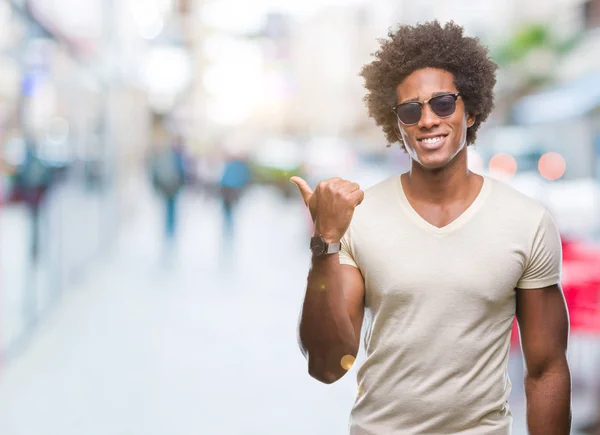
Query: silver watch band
x=333, y=248
x=319, y=246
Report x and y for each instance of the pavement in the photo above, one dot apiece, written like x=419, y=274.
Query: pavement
x=198, y=337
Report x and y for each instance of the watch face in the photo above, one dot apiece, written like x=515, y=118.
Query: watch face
x=317, y=246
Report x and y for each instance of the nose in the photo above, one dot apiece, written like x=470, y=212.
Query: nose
x=428, y=118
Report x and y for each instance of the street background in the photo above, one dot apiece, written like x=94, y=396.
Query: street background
x=153, y=254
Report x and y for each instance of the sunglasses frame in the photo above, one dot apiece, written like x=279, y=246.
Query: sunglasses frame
x=422, y=103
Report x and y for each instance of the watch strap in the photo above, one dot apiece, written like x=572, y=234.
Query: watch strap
x=319, y=246
x=333, y=248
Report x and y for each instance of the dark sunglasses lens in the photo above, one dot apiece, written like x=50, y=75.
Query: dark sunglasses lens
x=409, y=113
x=443, y=106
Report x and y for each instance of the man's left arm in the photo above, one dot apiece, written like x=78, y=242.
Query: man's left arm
x=544, y=329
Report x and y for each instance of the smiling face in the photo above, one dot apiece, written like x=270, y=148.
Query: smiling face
x=433, y=142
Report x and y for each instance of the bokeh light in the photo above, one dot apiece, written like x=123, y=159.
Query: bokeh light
x=503, y=165
x=552, y=166
x=347, y=362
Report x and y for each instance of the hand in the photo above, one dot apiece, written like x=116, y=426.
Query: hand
x=331, y=205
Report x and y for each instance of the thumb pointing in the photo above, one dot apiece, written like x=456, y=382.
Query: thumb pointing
x=305, y=189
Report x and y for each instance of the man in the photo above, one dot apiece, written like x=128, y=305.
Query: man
x=234, y=180
x=32, y=181
x=439, y=259
x=167, y=168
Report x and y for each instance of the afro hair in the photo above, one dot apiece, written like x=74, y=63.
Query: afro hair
x=429, y=45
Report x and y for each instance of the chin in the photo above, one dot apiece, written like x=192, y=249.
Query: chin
x=433, y=165
x=434, y=161
x=437, y=159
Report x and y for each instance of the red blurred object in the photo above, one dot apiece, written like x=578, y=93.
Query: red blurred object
x=581, y=286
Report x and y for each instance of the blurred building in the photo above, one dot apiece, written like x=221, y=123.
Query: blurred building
x=564, y=114
x=77, y=87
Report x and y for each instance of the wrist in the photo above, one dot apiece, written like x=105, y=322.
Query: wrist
x=328, y=236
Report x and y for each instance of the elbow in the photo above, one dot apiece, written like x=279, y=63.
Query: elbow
x=329, y=368
x=548, y=366
x=327, y=362
x=324, y=375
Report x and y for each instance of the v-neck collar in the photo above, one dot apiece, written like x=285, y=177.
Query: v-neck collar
x=456, y=223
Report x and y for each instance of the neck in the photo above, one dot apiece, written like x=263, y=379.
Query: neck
x=444, y=185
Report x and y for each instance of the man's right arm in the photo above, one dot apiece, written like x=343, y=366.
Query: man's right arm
x=332, y=313
x=331, y=318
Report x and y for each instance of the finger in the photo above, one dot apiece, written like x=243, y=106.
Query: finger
x=304, y=188
x=357, y=197
x=348, y=187
x=335, y=184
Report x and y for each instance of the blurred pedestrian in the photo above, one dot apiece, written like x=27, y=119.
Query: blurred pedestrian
x=234, y=179
x=32, y=179
x=441, y=259
x=168, y=178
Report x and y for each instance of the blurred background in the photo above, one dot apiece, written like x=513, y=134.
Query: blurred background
x=153, y=253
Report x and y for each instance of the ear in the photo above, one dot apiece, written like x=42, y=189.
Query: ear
x=471, y=120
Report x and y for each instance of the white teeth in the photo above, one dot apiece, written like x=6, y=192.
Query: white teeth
x=432, y=140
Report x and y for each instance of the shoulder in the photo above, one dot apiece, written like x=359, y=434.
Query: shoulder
x=374, y=215
x=378, y=198
x=513, y=212
x=377, y=207
x=507, y=198
x=382, y=192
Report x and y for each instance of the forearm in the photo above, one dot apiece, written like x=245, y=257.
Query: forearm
x=326, y=331
x=549, y=401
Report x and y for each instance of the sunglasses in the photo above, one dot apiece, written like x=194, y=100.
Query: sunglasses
x=442, y=105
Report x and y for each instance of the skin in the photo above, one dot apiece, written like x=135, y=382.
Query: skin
x=333, y=308
x=544, y=327
x=440, y=188
x=438, y=185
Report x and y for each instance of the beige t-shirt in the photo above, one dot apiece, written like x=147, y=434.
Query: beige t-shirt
x=440, y=304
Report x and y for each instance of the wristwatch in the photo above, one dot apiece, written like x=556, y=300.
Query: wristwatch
x=319, y=246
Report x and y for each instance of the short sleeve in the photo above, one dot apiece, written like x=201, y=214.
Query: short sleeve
x=346, y=255
x=544, y=265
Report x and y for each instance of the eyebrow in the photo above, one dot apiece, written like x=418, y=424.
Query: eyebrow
x=435, y=94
